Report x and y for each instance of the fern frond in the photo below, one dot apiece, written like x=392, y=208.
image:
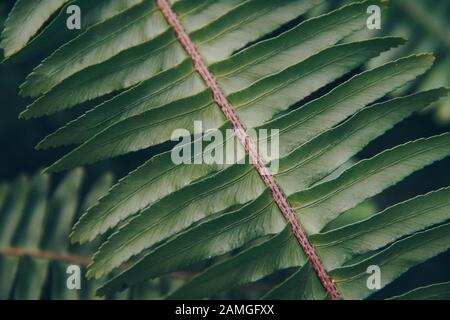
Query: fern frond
x=165, y=217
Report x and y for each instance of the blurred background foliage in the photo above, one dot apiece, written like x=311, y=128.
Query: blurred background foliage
x=425, y=23
x=36, y=216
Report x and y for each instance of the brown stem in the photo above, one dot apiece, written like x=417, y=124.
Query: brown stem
x=70, y=258
x=49, y=255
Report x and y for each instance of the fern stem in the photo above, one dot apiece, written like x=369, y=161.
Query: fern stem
x=79, y=260
x=250, y=146
x=48, y=255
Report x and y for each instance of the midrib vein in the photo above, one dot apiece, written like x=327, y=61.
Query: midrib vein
x=250, y=147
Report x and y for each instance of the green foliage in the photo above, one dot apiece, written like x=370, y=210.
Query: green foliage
x=440, y=291
x=429, y=22
x=25, y=20
x=165, y=217
x=426, y=23
x=36, y=220
x=35, y=251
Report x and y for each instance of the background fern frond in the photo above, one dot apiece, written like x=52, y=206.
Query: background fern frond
x=35, y=252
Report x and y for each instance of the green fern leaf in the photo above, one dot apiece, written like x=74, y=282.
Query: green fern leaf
x=166, y=217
